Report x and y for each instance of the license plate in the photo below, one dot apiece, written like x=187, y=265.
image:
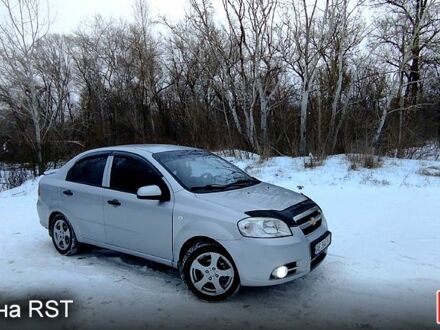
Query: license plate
x=323, y=244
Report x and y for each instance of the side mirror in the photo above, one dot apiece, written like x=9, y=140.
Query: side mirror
x=152, y=192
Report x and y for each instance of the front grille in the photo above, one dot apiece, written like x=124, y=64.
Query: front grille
x=311, y=228
x=310, y=222
x=307, y=218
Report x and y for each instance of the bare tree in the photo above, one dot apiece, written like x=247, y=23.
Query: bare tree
x=251, y=23
x=285, y=77
x=409, y=29
x=348, y=34
x=239, y=66
x=146, y=52
x=53, y=65
x=307, y=30
x=23, y=27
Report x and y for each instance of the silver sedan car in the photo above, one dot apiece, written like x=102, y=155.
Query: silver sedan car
x=186, y=208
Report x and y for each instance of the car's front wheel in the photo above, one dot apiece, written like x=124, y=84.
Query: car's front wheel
x=209, y=272
x=63, y=236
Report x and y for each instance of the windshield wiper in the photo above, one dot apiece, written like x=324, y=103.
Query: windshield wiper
x=243, y=182
x=209, y=187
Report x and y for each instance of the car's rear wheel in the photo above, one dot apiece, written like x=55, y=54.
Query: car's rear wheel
x=209, y=272
x=63, y=236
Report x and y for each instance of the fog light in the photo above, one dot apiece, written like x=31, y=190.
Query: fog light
x=280, y=272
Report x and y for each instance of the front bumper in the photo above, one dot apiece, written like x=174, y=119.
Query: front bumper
x=256, y=258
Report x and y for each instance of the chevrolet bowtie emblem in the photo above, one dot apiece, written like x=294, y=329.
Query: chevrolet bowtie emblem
x=313, y=221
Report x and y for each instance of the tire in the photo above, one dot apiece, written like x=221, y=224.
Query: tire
x=63, y=236
x=209, y=272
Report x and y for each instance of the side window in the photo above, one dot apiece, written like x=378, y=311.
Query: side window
x=88, y=171
x=129, y=174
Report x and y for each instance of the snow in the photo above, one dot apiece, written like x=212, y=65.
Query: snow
x=382, y=270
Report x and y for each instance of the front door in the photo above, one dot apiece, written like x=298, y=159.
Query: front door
x=139, y=225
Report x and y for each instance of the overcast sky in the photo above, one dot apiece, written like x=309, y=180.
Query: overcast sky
x=69, y=14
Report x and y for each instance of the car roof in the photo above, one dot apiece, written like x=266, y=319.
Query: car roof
x=152, y=148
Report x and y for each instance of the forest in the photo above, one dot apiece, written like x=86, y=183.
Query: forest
x=274, y=77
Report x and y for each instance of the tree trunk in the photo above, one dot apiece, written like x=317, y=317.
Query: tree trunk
x=37, y=127
x=303, y=122
x=319, y=101
x=379, y=128
x=264, y=111
x=336, y=97
x=233, y=112
x=401, y=113
x=338, y=127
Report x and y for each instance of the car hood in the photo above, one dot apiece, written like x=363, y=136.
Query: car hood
x=263, y=196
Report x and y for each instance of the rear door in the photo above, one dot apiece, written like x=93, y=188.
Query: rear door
x=139, y=225
x=81, y=196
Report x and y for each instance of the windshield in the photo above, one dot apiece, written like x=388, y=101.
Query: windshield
x=202, y=171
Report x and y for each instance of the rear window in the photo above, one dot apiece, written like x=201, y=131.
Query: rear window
x=88, y=171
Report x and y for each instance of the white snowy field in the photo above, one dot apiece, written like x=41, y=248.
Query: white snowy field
x=382, y=270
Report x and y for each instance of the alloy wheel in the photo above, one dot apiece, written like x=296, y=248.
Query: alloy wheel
x=212, y=273
x=62, y=234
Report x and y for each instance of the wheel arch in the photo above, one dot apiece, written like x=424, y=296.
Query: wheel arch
x=197, y=239
x=52, y=218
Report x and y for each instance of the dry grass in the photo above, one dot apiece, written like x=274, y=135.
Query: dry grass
x=13, y=177
x=367, y=160
x=313, y=161
x=430, y=171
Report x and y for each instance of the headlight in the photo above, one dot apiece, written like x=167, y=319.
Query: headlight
x=263, y=228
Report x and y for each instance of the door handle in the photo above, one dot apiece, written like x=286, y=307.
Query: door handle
x=68, y=192
x=114, y=202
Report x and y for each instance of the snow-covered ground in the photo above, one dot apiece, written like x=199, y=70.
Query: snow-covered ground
x=382, y=270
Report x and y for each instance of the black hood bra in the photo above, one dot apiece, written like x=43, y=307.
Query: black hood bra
x=285, y=215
